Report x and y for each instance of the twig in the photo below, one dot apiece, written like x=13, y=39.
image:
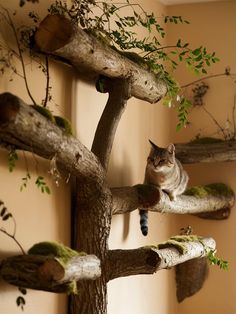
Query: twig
x=10, y=22
x=47, y=82
x=216, y=122
x=205, y=78
x=12, y=236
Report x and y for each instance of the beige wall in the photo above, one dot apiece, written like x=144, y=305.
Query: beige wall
x=212, y=25
x=39, y=217
x=42, y=217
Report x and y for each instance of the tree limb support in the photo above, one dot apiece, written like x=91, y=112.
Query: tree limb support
x=49, y=273
x=148, y=260
x=57, y=36
x=119, y=93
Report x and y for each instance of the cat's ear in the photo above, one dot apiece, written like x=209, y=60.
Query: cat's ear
x=153, y=145
x=171, y=148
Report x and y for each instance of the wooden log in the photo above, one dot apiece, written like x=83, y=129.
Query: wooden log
x=49, y=273
x=25, y=128
x=148, y=260
x=57, y=36
x=202, y=199
x=222, y=151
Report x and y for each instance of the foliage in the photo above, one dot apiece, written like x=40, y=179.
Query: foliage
x=12, y=158
x=97, y=17
x=199, y=89
x=214, y=260
x=41, y=184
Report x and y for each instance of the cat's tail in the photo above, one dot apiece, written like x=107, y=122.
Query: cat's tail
x=144, y=221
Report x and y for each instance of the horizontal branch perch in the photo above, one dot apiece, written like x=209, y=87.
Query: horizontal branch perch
x=49, y=273
x=56, y=35
x=24, y=127
x=208, y=152
x=148, y=260
x=209, y=198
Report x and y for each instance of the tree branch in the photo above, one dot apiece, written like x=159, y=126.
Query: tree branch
x=56, y=35
x=208, y=152
x=49, y=273
x=119, y=93
x=148, y=260
x=210, y=198
x=24, y=127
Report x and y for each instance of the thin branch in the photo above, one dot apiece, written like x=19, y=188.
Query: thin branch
x=205, y=78
x=47, y=82
x=11, y=23
x=12, y=236
x=215, y=121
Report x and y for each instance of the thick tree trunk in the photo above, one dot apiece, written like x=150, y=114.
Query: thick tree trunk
x=90, y=57
x=24, y=127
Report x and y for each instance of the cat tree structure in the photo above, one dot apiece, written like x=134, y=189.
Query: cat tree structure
x=96, y=202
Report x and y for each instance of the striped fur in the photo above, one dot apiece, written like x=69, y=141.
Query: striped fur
x=166, y=172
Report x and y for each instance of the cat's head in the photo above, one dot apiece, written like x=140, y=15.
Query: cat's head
x=161, y=159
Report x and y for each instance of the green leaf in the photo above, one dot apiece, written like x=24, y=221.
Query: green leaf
x=197, y=51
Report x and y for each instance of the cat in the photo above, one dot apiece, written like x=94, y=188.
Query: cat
x=166, y=172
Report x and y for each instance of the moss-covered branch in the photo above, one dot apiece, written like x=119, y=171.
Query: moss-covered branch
x=59, y=37
x=148, y=260
x=206, y=150
x=197, y=200
x=49, y=273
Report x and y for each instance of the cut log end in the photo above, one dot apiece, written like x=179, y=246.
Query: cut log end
x=54, y=32
x=9, y=107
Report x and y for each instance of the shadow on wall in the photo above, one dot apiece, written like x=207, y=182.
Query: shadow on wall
x=120, y=174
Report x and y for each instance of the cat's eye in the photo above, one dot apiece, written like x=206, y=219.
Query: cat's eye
x=150, y=159
x=162, y=161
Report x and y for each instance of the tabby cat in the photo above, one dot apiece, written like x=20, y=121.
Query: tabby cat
x=166, y=172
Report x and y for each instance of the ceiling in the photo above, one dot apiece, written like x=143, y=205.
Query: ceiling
x=172, y=2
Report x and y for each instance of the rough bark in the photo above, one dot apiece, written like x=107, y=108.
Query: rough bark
x=208, y=152
x=90, y=57
x=148, y=260
x=24, y=127
x=119, y=93
x=49, y=273
x=127, y=199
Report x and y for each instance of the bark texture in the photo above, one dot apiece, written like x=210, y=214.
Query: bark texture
x=90, y=57
x=127, y=199
x=208, y=152
x=148, y=260
x=25, y=128
x=49, y=273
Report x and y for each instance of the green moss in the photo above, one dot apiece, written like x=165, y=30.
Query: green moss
x=64, y=124
x=45, y=112
x=198, y=191
x=72, y=288
x=62, y=254
x=60, y=251
x=210, y=189
x=206, y=140
x=178, y=242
